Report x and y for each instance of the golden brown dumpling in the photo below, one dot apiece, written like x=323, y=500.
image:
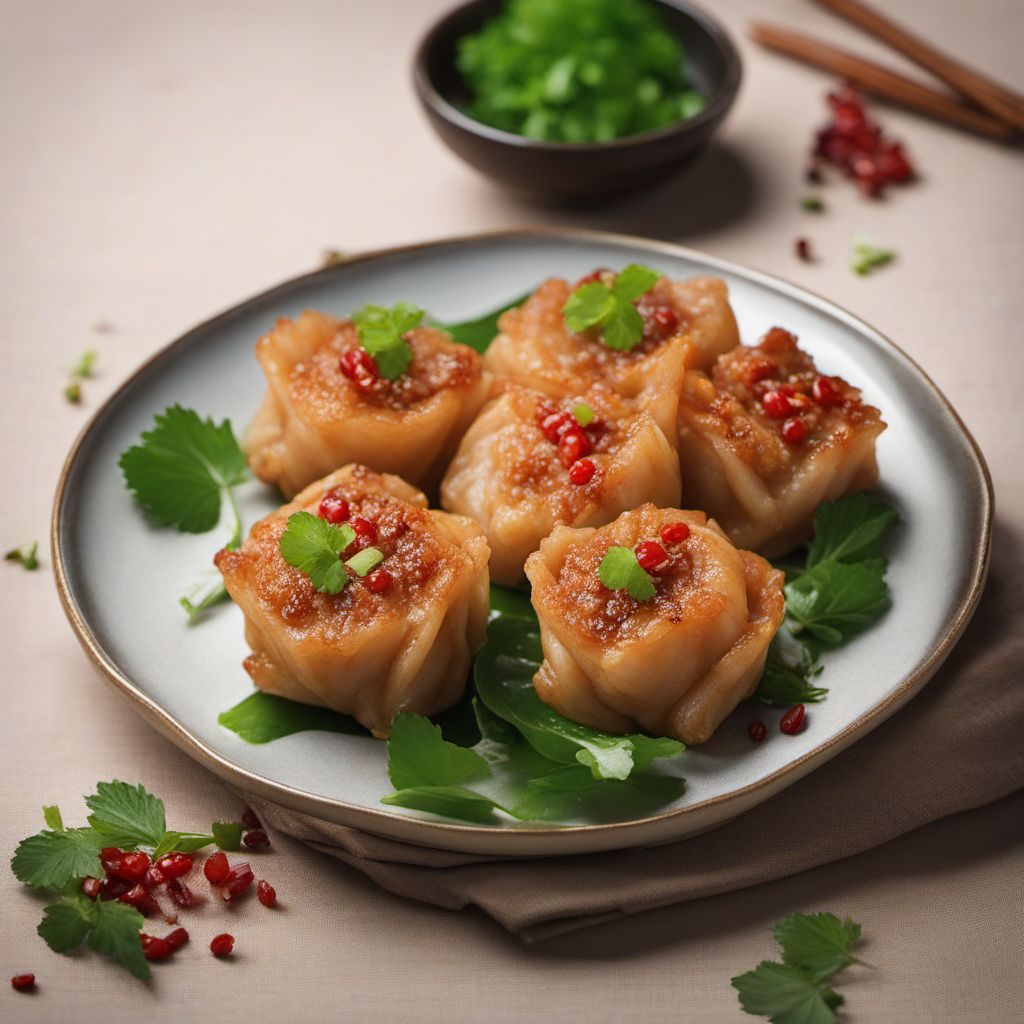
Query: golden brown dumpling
x=522, y=468
x=536, y=349
x=314, y=419
x=674, y=665
x=399, y=642
x=765, y=439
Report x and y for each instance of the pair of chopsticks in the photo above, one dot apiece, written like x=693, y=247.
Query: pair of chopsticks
x=980, y=104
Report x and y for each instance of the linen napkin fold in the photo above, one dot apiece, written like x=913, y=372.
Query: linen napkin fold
x=958, y=745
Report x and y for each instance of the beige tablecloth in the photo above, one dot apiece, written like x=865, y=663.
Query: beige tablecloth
x=162, y=161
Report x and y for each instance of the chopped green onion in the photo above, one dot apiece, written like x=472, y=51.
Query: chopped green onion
x=583, y=413
x=866, y=256
x=365, y=560
x=812, y=204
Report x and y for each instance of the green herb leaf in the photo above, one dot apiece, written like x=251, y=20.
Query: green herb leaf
x=632, y=282
x=50, y=860
x=25, y=556
x=263, y=717
x=866, y=257
x=785, y=995
x=363, y=561
x=73, y=392
x=115, y=931
x=227, y=834
x=51, y=815
x=620, y=570
x=850, y=530
x=833, y=601
x=786, y=679
x=125, y=815
x=312, y=545
x=182, y=842
x=381, y=333
x=85, y=366
x=183, y=468
x=583, y=414
x=448, y=801
x=419, y=756
x=507, y=602
x=67, y=923
x=588, y=306
x=812, y=204
x=205, y=595
x=817, y=943
x=479, y=333
x=596, y=305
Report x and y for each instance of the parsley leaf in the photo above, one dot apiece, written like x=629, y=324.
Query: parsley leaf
x=817, y=943
x=620, y=570
x=183, y=468
x=26, y=556
x=418, y=756
x=50, y=860
x=596, y=305
x=313, y=546
x=381, y=333
x=785, y=995
x=115, y=931
x=125, y=815
x=833, y=601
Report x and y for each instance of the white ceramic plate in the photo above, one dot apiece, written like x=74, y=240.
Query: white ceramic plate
x=180, y=678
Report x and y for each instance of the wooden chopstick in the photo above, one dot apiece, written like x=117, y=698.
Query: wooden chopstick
x=988, y=94
x=880, y=81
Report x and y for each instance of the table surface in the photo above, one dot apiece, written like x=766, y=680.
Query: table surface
x=166, y=160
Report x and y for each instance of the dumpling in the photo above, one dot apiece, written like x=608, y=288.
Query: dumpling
x=527, y=464
x=536, y=349
x=314, y=418
x=765, y=439
x=674, y=665
x=400, y=639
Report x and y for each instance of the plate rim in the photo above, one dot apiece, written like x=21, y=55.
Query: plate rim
x=384, y=823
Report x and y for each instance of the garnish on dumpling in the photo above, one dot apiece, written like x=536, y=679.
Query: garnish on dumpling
x=610, y=328
x=530, y=462
x=655, y=622
x=379, y=389
x=357, y=597
x=765, y=438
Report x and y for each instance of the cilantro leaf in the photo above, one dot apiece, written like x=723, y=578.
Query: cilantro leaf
x=588, y=306
x=115, y=931
x=596, y=305
x=633, y=281
x=363, y=561
x=67, y=923
x=183, y=468
x=126, y=815
x=26, y=556
x=419, y=756
x=50, y=860
x=785, y=995
x=833, y=601
x=817, y=943
x=381, y=333
x=623, y=328
x=850, y=530
x=313, y=546
x=786, y=679
x=448, y=801
x=620, y=570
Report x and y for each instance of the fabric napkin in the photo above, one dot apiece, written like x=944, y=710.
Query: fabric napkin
x=959, y=744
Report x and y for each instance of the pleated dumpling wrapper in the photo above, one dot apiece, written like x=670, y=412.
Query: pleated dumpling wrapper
x=675, y=664
x=765, y=438
x=399, y=642
x=314, y=418
x=529, y=463
x=535, y=349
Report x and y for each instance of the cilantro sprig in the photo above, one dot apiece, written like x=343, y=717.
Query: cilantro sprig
x=181, y=473
x=382, y=334
x=620, y=570
x=57, y=858
x=27, y=556
x=611, y=309
x=815, y=949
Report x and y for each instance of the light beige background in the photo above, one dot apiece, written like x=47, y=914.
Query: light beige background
x=161, y=161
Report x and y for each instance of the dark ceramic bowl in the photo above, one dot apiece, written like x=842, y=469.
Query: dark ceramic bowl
x=576, y=170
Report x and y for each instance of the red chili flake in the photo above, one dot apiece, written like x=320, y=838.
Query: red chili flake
x=574, y=445
x=257, y=839
x=23, y=982
x=92, y=887
x=155, y=948
x=555, y=424
x=359, y=366
x=793, y=720
x=174, y=865
x=582, y=472
x=249, y=818
x=266, y=893
x=333, y=507
x=759, y=370
x=665, y=318
x=776, y=404
x=365, y=531
x=757, y=731
x=177, y=938
x=651, y=556
x=222, y=945
x=803, y=250
x=794, y=431
x=675, y=533
x=379, y=581
x=217, y=867
x=826, y=392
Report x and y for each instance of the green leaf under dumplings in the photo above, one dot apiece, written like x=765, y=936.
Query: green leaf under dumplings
x=263, y=717
x=479, y=333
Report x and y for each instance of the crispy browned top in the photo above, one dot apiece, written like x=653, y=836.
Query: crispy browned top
x=438, y=364
x=414, y=556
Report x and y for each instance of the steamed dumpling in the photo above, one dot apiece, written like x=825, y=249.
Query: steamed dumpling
x=536, y=349
x=765, y=439
x=377, y=647
x=675, y=665
x=314, y=419
x=514, y=477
